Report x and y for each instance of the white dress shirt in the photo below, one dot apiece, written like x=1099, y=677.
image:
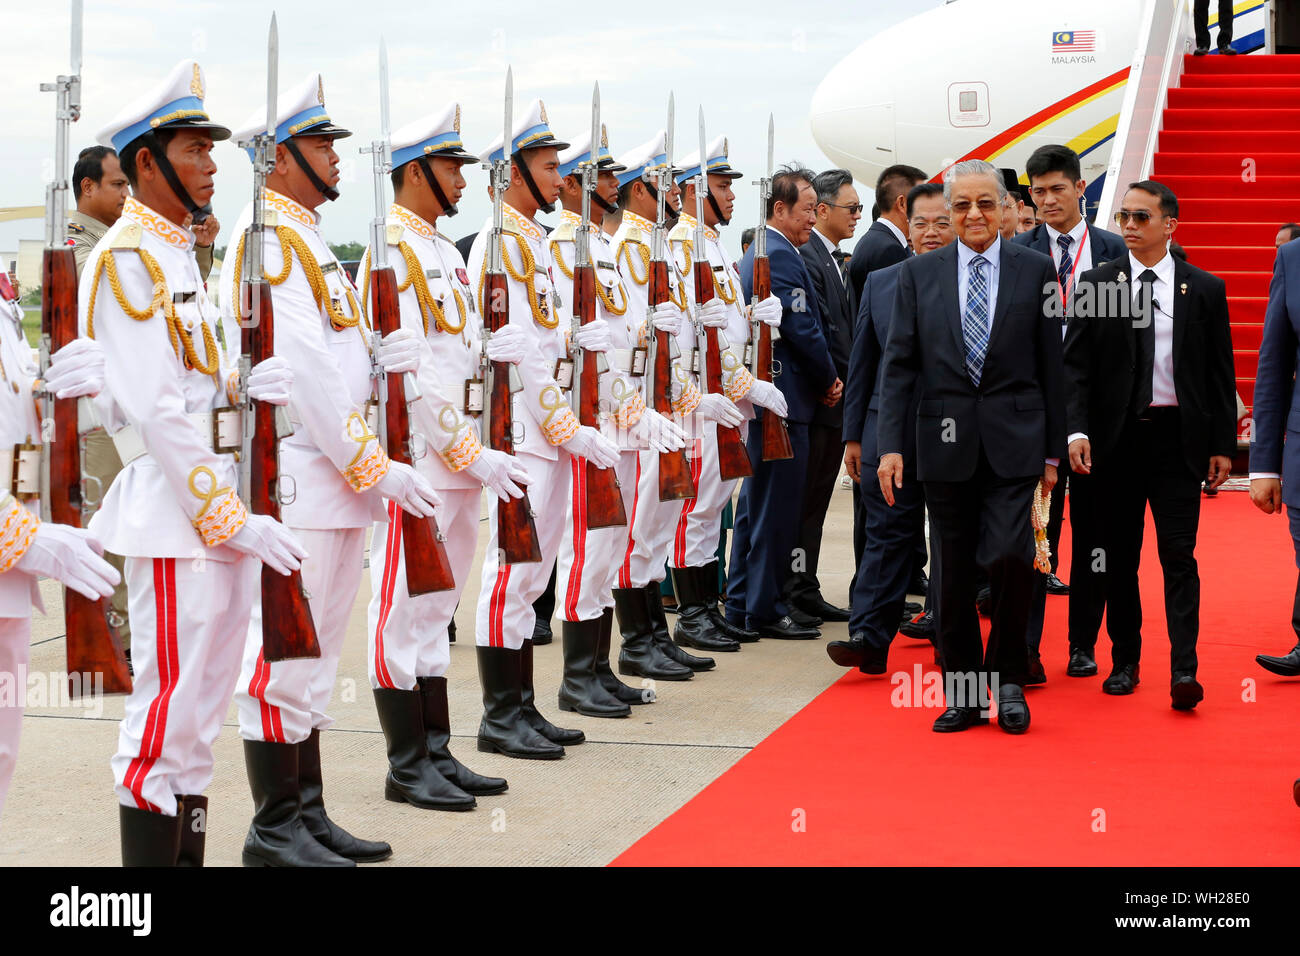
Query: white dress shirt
x=832, y=248
x=898, y=233
x=994, y=256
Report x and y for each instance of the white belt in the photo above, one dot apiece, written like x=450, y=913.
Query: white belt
x=221, y=428
x=628, y=361
x=372, y=419
x=20, y=470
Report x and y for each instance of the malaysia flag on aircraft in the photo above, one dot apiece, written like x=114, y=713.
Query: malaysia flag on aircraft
x=1074, y=41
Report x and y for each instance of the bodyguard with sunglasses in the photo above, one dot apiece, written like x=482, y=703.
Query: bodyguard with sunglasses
x=1151, y=413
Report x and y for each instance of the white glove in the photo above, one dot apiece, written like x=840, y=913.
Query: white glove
x=720, y=409
x=594, y=336
x=592, y=445
x=271, y=381
x=270, y=542
x=668, y=318
x=399, y=351
x=70, y=555
x=507, y=345
x=769, y=396
x=660, y=432
x=76, y=369
x=499, y=472
x=409, y=489
x=714, y=314
x=769, y=311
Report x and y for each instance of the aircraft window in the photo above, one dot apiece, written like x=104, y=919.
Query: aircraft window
x=968, y=101
x=968, y=104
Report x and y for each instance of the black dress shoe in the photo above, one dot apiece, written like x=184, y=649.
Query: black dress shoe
x=1287, y=665
x=1186, y=692
x=1056, y=586
x=856, y=652
x=983, y=602
x=1227, y=51
x=804, y=619
x=1122, y=680
x=922, y=628
x=920, y=584
x=1013, y=712
x=787, y=630
x=1201, y=51
x=1082, y=663
x=912, y=608
x=958, y=718
x=1036, y=673
x=818, y=606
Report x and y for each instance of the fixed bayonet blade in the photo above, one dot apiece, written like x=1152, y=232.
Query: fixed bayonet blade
x=272, y=76
x=595, y=125
x=668, y=139
x=510, y=112
x=383, y=91
x=76, y=37
x=704, y=159
x=771, y=143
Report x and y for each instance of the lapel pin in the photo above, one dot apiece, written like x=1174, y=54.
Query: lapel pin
x=1123, y=277
x=1183, y=288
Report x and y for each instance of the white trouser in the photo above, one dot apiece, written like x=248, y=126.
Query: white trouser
x=652, y=527
x=507, y=592
x=15, y=645
x=406, y=637
x=285, y=701
x=590, y=557
x=188, y=621
x=695, y=538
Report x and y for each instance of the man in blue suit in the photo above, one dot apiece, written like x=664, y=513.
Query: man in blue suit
x=767, y=520
x=1056, y=185
x=880, y=587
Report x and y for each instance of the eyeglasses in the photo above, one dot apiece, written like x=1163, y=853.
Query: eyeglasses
x=921, y=225
x=962, y=206
x=853, y=207
x=1139, y=216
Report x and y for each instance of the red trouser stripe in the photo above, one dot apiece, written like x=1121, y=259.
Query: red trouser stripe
x=625, y=572
x=155, y=730
x=392, y=550
x=496, y=608
x=679, y=552
x=574, y=589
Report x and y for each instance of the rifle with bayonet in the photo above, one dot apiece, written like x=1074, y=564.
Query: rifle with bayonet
x=733, y=459
x=516, y=531
x=604, y=499
x=93, y=644
x=288, y=632
x=428, y=569
x=776, y=438
x=675, y=481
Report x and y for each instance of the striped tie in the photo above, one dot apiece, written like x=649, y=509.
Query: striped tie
x=975, y=323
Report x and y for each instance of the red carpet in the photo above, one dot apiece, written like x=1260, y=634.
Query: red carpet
x=874, y=785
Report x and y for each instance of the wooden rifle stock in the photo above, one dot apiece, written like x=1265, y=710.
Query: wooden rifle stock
x=675, y=480
x=604, y=499
x=516, y=531
x=733, y=459
x=93, y=645
x=776, y=439
x=288, y=632
x=428, y=569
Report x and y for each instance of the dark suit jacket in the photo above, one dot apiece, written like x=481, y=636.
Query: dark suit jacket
x=807, y=371
x=1104, y=245
x=1017, y=415
x=877, y=248
x=1101, y=357
x=866, y=368
x=463, y=245
x=1277, y=403
x=836, y=301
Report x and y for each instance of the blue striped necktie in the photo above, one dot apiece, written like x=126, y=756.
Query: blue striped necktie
x=975, y=322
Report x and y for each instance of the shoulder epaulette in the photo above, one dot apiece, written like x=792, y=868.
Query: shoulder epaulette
x=395, y=232
x=128, y=238
x=634, y=234
x=566, y=231
x=681, y=233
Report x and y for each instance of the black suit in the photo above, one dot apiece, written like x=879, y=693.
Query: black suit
x=1159, y=454
x=825, y=445
x=979, y=449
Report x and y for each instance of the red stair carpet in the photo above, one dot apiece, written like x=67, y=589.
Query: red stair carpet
x=1097, y=780
x=1230, y=150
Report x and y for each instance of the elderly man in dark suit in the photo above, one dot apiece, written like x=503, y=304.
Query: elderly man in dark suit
x=838, y=212
x=975, y=333
x=1152, y=414
x=767, y=520
x=880, y=586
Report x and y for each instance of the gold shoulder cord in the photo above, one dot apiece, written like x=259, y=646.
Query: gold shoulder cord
x=182, y=343
x=606, y=299
x=686, y=248
x=290, y=240
x=526, y=277
x=643, y=250
x=722, y=290
x=429, y=306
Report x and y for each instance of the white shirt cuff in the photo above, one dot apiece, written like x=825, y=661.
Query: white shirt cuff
x=1075, y=437
x=1264, y=474
x=1054, y=462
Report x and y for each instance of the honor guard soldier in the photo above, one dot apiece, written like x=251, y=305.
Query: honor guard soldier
x=590, y=557
x=547, y=433
x=693, y=560
x=408, y=649
x=648, y=651
x=193, y=552
x=339, y=475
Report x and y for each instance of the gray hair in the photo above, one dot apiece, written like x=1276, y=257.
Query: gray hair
x=972, y=167
x=829, y=183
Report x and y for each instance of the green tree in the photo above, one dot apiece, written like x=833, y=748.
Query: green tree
x=348, y=251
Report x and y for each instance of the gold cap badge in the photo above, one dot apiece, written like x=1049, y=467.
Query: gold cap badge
x=455, y=124
x=196, y=84
x=542, y=106
x=320, y=91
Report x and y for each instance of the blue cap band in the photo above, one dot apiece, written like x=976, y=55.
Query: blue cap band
x=186, y=108
x=448, y=140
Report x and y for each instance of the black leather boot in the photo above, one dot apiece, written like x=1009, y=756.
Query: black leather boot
x=709, y=584
x=694, y=627
x=503, y=728
x=639, y=656
x=437, y=735
x=581, y=690
x=328, y=833
x=277, y=835
x=148, y=838
x=662, y=642
x=193, y=812
x=528, y=705
x=412, y=777
x=608, y=680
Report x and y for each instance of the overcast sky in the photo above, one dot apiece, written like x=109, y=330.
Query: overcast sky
x=739, y=60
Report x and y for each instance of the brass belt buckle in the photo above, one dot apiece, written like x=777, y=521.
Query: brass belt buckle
x=227, y=434
x=564, y=372
x=25, y=483
x=638, y=363
x=473, y=395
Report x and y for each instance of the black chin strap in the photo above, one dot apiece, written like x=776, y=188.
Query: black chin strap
x=518, y=160
x=329, y=192
x=448, y=209
x=159, y=154
x=609, y=207
x=717, y=211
